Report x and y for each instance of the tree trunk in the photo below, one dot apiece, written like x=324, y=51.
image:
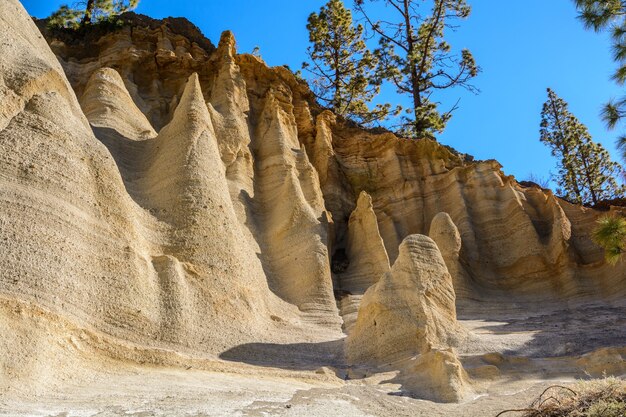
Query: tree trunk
x=88, y=12
x=565, y=149
x=337, y=96
x=590, y=184
x=417, y=71
x=417, y=99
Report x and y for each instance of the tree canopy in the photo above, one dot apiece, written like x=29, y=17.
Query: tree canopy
x=611, y=235
x=89, y=11
x=610, y=15
x=342, y=66
x=418, y=61
x=586, y=173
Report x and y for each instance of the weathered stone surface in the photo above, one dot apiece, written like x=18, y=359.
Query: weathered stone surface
x=407, y=321
x=515, y=240
x=445, y=234
x=107, y=103
x=140, y=240
x=448, y=239
x=602, y=362
x=366, y=260
x=365, y=250
x=291, y=207
x=410, y=311
x=437, y=375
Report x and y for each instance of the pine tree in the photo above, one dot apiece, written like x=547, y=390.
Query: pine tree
x=93, y=11
x=586, y=173
x=610, y=14
x=416, y=58
x=611, y=235
x=342, y=66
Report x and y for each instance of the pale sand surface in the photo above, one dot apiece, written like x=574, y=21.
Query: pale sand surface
x=175, y=392
x=296, y=379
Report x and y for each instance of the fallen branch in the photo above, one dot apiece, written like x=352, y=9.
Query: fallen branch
x=565, y=402
x=520, y=410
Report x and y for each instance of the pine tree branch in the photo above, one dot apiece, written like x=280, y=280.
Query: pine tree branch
x=376, y=29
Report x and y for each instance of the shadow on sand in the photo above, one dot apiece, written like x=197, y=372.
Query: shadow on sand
x=292, y=356
x=565, y=331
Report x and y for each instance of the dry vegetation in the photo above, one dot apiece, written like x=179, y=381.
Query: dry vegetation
x=596, y=398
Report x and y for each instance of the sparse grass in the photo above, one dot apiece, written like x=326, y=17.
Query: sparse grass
x=596, y=398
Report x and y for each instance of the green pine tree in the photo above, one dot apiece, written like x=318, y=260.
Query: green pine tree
x=341, y=64
x=586, y=173
x=416, y=58
x=92, y=11
x=611, y=235
x=610, y=14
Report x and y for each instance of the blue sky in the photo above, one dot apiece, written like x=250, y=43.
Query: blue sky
x=523, y=47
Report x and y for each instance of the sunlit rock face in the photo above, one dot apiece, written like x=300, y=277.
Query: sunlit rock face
x=194, y=238
x=513, y=237
x=448, y=239
x=411, y=309
x=407, y=321
x=163, y=200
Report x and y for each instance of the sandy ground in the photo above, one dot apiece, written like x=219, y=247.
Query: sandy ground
x=543, y=347
x=542, y=330
x=174, y=392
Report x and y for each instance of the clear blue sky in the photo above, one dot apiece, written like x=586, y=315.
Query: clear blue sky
x=523, y=47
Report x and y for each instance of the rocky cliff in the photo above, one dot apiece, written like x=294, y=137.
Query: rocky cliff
x=165, y=201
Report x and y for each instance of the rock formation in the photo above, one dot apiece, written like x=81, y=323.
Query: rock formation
x=448, y=239
x=140, y=239
x=292, y=207
x=410, y=182
x=164, y=202
x=106, y=100
x=437, y=375
x=365, y=250
x=366, y=256
x=410, y=311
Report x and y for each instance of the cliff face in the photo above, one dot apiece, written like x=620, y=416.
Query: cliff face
x=162, y=195
x=513, y=238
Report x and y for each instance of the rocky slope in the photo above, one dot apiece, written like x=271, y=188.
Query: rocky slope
x=167, y=202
